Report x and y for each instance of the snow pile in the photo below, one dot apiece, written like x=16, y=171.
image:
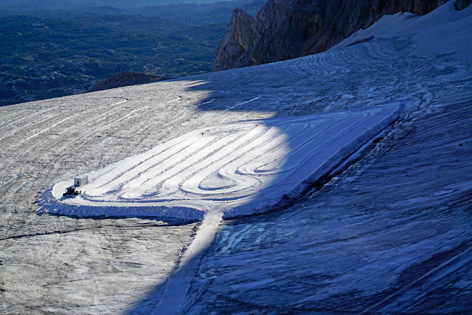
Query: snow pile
x=236, y=169
x=443, y=31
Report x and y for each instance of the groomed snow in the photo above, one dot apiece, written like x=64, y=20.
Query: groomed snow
x=394, y=228
x=234, y=169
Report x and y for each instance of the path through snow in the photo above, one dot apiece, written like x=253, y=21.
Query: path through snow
x=178, y=286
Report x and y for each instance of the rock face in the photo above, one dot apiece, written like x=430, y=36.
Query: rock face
x=125, y=78
x=462, y=4
x=233, y=48
x=286, y=29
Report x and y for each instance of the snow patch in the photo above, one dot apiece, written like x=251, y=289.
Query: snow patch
x=442, y=31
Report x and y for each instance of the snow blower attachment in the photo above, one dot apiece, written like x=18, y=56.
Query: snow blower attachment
x=78, y=181
x=71, y=191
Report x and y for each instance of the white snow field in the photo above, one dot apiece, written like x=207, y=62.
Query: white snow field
x=237, y=169
x=443, y=31
x=389, y=233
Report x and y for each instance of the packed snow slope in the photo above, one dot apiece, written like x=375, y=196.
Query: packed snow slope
x=391, y=234
x=443, y=31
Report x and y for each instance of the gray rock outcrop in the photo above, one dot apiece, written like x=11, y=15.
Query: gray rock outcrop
x=462, y=4
x=236, y=40
x=286, y=29
x=125, y=78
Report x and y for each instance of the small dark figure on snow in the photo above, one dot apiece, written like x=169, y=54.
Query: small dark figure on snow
x=70, y=191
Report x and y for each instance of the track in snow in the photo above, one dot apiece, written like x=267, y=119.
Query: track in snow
x=236, y=169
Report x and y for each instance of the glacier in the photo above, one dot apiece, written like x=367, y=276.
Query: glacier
x=388, y=232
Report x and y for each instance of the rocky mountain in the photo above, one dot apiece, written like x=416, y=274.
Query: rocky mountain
x=462, y=4
x=286, y=29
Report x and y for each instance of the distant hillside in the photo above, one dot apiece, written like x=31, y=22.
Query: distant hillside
x=69, y=4
x=43, y=58
x=51, y=53
x=188, y=13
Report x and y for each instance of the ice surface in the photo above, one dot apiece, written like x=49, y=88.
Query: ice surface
x=391, y=234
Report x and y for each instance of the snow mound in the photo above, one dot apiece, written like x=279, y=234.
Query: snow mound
x=443, y=31
x=234, y=169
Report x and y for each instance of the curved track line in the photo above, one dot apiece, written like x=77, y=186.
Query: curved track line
x=236, y=169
